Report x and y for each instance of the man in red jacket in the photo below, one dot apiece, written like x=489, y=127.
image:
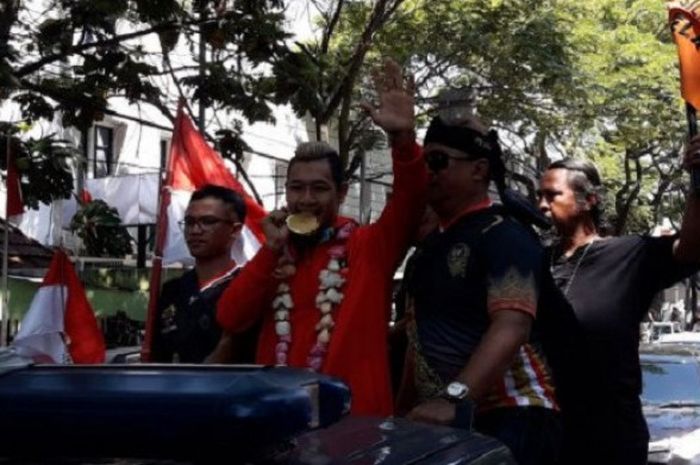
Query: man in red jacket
x=324, y=299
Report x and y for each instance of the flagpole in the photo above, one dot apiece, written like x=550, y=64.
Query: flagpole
x=692, y=117
x=156, y=271
x=201, y=120
x=161, y=230
x=4, y=308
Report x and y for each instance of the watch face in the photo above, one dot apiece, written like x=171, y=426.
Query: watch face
x=458, y=390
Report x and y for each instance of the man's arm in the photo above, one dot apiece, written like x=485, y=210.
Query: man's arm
x=687, y=247
x=246, y=297
x=223, y=352
x=394, y=230
x=507, y=332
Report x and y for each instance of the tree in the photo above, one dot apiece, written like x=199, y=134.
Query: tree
x=627, y=64
x=510, y=60
x=322, y=77
x=593, y=79
x=512, y=55
x=42, y=165
x=73, y=56
x=100, y=228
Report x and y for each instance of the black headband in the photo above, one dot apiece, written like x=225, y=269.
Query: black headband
x=478, y=145
x=461, y=138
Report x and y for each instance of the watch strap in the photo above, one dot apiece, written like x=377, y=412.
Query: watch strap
x=464, y=415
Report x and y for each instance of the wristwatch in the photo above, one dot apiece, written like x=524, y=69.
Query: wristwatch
x=456, y=391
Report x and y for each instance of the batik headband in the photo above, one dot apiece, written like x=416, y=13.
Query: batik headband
x=461, y=138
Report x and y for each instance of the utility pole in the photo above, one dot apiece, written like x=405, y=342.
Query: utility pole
x=365, y=193
x=201, y=119
x=5, y=306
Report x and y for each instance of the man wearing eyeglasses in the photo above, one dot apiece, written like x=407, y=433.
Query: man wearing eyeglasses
x=479, y=285
x=186, y=329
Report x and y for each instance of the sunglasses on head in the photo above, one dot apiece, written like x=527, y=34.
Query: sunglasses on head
x=437, y=160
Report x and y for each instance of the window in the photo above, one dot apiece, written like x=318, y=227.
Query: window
x=103, y=156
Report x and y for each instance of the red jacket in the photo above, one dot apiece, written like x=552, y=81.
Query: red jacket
x=357, y=353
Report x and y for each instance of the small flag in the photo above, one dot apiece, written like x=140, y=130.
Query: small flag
x=685, y=26
x=60, y=325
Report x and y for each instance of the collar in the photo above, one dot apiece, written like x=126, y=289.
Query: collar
x=204, y=285
x=482, y=205
x=340, y=229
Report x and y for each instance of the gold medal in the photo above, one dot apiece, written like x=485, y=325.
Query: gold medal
x=302, y=223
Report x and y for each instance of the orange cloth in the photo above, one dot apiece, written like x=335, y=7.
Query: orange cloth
x=357, y=353
x=685, y=26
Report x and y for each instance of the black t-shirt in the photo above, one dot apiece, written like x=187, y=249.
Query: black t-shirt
x=483, y=263
x=186, y=329
x=610, y=284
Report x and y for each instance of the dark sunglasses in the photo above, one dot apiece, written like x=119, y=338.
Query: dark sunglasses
x=205, y=223
x=437, y=160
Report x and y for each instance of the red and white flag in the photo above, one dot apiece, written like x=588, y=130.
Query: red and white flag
x=193, y=164
x=60, y=325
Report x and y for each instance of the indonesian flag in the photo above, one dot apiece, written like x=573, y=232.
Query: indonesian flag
x=60, y=326
x=685, y=26
x=194, y=164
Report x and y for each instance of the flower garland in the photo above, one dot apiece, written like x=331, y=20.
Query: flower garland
x=329, y=297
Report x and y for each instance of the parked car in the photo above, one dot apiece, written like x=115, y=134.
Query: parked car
x=123, y=355
x=684, y=337
x=671, y=402
x=183, y=414
x=661, y=328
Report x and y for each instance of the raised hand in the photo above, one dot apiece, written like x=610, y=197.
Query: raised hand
x=395, y=112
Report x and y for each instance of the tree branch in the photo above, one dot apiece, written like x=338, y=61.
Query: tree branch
x=629, y=192
x=380, y=14
x=32, y=67
x=330, y=27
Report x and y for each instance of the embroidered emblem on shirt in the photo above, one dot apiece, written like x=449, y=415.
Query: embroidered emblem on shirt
x=457, y=260
x=168, y=320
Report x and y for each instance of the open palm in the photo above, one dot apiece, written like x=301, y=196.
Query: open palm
x=396, y=102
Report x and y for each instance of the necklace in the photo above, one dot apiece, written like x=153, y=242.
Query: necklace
x=570, y=281
x=328, y=299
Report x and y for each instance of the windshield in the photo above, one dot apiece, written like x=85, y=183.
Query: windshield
x=670, y=383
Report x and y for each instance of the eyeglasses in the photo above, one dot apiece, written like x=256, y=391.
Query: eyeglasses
x=206, y=223
x=437, y=160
